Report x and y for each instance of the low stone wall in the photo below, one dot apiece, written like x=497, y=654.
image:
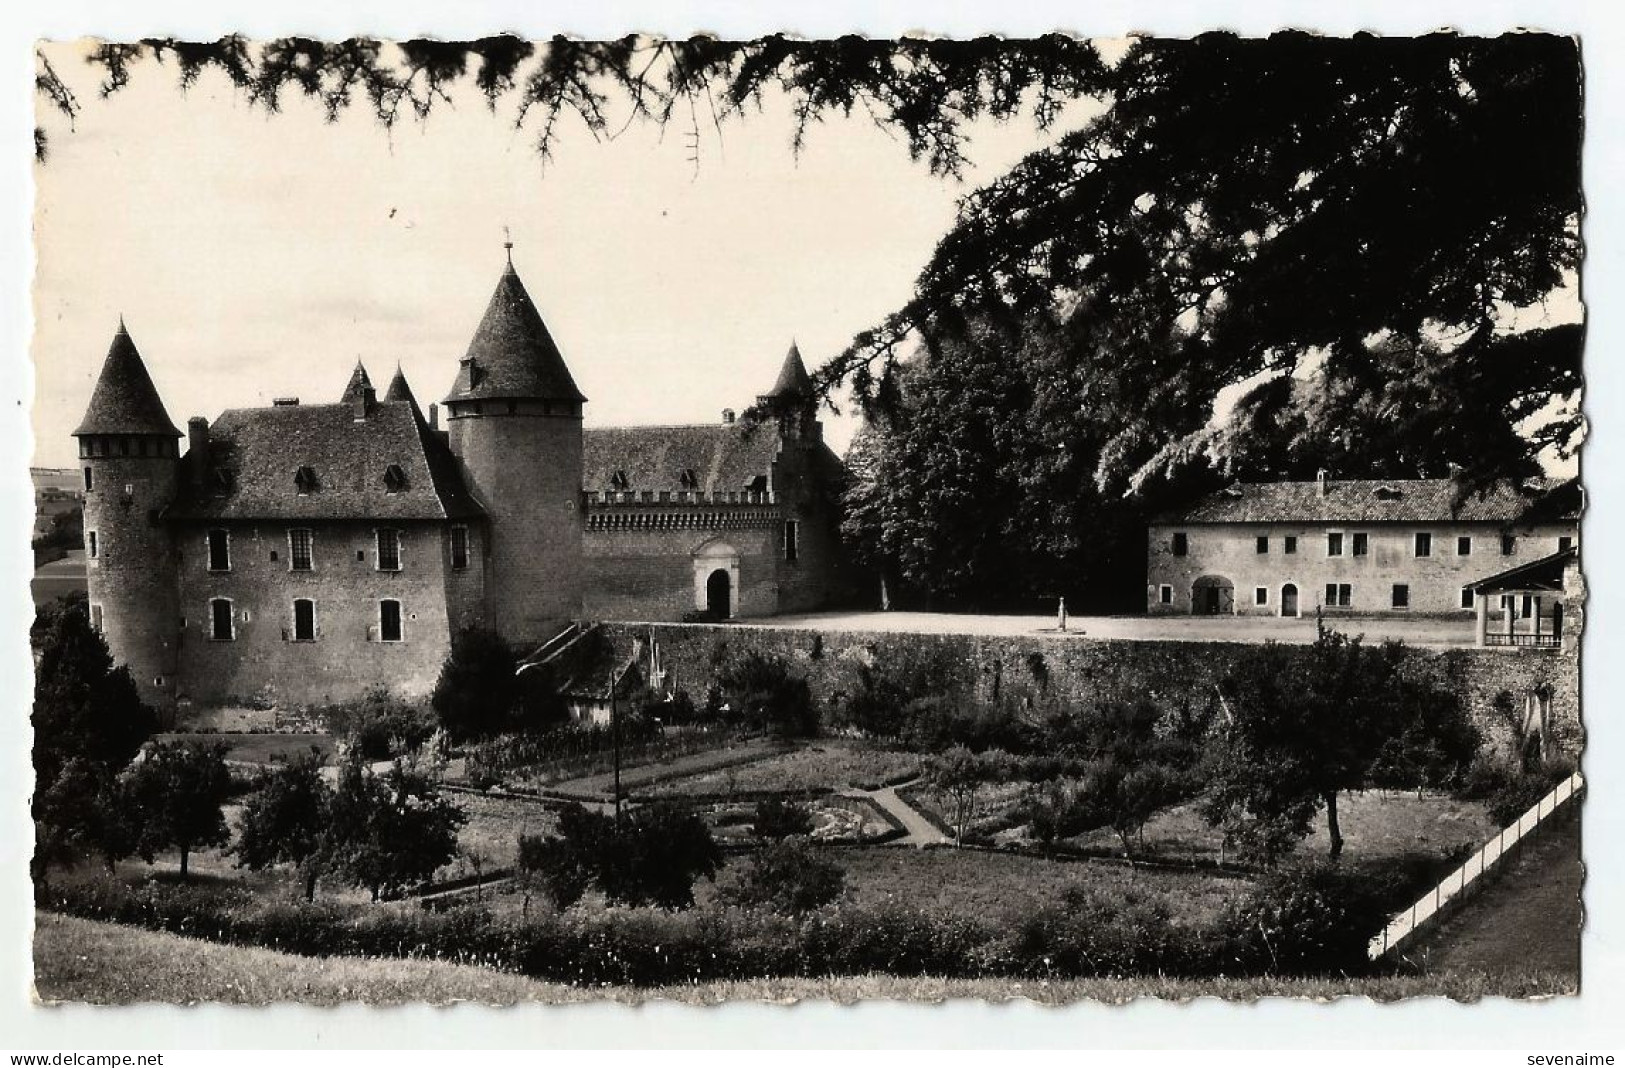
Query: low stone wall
x=1083, y=670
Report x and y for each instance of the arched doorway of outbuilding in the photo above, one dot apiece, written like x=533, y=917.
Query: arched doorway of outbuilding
x=1289, y=599
x=1213, y=595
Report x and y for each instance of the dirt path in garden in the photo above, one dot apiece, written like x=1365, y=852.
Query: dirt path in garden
x=1527, y=921
x=920, y=830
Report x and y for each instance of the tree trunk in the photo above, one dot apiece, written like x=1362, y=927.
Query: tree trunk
x=1332, y=829
x=374, y=895
x=310, y=885
x=184, y=853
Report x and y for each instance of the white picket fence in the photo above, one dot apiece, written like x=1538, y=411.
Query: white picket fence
x=1407, y=924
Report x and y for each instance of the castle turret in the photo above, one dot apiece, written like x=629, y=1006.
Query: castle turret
x=792, y=400
x=129, y=453
x=514, y=421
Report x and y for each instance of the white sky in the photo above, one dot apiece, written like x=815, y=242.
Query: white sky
x=256, y=256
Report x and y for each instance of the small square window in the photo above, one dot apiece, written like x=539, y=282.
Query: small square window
x=1424, y=544
x=1509, y=544
x=1181, y=544
x=1165, y=595
x=1464, y=546
x=1261, y=544
x=1339, y=595
x=1362, y=544
x=1334, y=544
x=1261, y=595
x=1467, y=598
x=1289, y=545
x=1565, y=543
x=1402, y=595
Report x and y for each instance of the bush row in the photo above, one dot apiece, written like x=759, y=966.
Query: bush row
x=1304, y=921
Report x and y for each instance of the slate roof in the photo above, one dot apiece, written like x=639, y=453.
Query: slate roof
x=723, y=456
x=512, y=354
x=793, y=380
x=261, y=450
x=125, y=401
x=400, y=392
x=359, y=381
x=1416, y=500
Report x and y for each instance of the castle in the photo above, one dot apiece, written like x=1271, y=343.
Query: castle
x=304, y=553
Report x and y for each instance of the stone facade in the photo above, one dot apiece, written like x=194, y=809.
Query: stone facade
x=1347, y=553
x=303, y=554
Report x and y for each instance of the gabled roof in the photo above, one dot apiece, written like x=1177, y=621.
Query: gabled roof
x=723, y=456
x=359, y=381
x=1543, y=574
x=260, y=450
x=125, y=401
x=793, y=380
x=513, y=355
x=1414, y=500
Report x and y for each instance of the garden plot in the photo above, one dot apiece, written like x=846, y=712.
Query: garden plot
x=819, y=767
x=259, y=748
x=845, y=820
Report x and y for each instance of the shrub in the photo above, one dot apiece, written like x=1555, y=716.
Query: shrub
x=791, y=877
x=776, y=819
x=762, y=691
x=478, y=691
x=1318, y=918
x=653, y=857
x=380, y=725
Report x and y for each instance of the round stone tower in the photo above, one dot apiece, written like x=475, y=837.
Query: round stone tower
x=514, y=422
x=129, y=457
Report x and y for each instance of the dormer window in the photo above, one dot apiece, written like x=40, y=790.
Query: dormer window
x=304, y=480
x=619, y=481
x=394, y=478
x=688, y=479
x=1388, y=493
x=222, y=480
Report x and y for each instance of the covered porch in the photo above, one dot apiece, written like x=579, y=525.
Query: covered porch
x=1530, y=605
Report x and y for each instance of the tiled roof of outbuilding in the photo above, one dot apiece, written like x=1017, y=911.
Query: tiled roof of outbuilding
x=260, y=450
x=723, y=456
x=125, y=401
x=1415, y=500
x=512, y=354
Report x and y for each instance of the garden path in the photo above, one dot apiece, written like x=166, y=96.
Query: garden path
x=920, y=830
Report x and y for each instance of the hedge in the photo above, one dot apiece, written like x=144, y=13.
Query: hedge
x=1081, y=936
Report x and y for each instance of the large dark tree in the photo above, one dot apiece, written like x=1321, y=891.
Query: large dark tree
x=289, y=820
x=1256, y=203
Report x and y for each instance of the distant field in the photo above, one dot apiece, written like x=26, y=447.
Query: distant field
x=83, y=961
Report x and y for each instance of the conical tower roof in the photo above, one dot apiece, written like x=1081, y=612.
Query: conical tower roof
x=359, y=380
x=125, y=401
x=793, y=381
x=401, y=393
x=512, y=355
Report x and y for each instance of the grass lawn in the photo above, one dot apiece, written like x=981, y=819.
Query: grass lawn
x=84, y=961
x=494, y=826
x=1000, y=887
x=834, y=765
x=259, y=748
x=1376, y=825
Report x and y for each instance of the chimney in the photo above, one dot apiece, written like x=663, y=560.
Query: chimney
x=728, y=415
x=365, y=401
x=285, y=402
x=197, y=449
x=434, y=417
x=1321, y=478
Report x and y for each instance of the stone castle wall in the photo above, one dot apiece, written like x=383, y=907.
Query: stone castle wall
x=1079, y=670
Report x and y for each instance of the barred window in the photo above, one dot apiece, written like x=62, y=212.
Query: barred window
x=389, y=550
x=459, y=548
x=299, y=550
